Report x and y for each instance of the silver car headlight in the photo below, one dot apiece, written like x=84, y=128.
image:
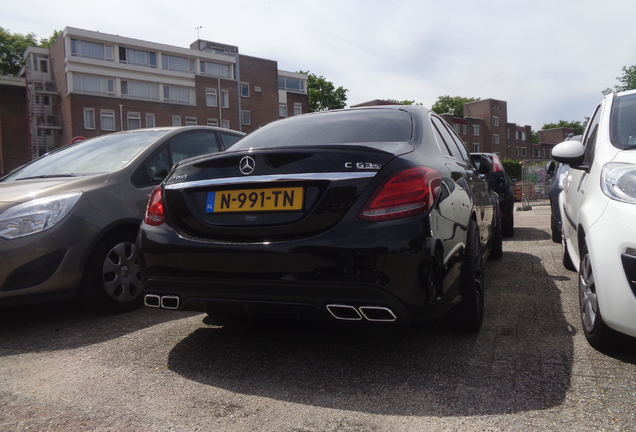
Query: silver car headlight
x=618, y=181
x=36, y=216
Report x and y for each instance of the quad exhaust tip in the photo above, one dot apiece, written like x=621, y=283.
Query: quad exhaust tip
x=164, y=302
x=368, y=313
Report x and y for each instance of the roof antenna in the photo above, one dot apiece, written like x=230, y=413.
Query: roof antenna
x=197, y=29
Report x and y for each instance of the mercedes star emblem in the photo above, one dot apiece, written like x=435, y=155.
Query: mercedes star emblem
x=247, y=165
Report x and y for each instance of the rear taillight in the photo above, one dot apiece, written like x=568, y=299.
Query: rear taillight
x=403, y=194
x=154, y=211
x=496, y=164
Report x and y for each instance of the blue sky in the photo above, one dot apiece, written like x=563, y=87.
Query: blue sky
x=550, y=60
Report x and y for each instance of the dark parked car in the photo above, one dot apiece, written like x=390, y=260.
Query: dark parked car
x=559, y=172
x=372, y=214
x=491, y=167
x=69, y=219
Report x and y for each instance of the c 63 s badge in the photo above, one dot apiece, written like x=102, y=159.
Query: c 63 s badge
x=362, y=165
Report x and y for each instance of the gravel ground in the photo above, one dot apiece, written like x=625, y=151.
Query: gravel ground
x=529, y=368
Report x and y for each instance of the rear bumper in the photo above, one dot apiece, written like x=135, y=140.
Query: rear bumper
x=400, y=281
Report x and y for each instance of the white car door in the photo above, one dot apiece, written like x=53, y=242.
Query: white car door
x=576, y=186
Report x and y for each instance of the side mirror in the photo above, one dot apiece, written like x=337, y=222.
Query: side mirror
x=550, y=168
x=569, y=152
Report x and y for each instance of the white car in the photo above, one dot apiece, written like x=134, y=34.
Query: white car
x=598, y=213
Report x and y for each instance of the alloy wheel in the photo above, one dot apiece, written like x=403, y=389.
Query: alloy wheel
x=120, y=273
x=587, y=294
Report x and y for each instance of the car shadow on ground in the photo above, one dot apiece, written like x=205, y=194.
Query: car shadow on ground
x=520, y=360
x=529, y=233
x=67, y=325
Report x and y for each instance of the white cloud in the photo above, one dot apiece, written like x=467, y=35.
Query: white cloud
x=550, y=60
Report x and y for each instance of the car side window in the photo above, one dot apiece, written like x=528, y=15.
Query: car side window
x=441, y=142
x=229, y=139
x=459, y=143
x=589, y=142
x=192, y=144
x=153, y=170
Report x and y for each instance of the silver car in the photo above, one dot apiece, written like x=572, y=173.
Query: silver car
x=69, y=220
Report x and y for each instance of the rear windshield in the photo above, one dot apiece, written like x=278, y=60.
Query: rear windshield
x=339, y=127
x=623, y=123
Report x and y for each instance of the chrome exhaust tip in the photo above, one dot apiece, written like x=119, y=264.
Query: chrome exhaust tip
x=152, y=300
x=377, y=313
x=170, y=302
x=344, y=312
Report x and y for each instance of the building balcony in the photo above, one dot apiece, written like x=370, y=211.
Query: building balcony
x=48, y=87
x=48, y=122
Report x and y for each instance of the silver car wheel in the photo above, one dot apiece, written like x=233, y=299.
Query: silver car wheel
x=587, y=294
x=120, y=272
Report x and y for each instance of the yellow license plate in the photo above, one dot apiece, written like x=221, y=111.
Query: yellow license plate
x=250, y=200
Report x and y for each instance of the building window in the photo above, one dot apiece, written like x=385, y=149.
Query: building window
x=523, y=136
x=456, y=128
x=495, y=121
x=216, y=69
x=517, y=150
x=150, y=120
x=225, y=124
x=475, y=130
x=291, y=84
x=210, y=97
x=495, y=138
x=107, y=120
x=523, y=152
x=89, y=118
x=178, y=64
x=176, y=120
x=225, y=99
x=532, y=152
x=44, y=66
x=245, y=89
x=80, y=48
x=298, y=108
x=476, y=148
x=213, y=122
x=463, y=129
x=282, y=110
x=495, y=106
x=139, y=90
x=94, y=85
x=137, y=57
x=191, y=121
x=176, y=94
x=246, y=118
x=134, y=120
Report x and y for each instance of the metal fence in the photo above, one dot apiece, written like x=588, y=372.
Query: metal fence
x=534, y=185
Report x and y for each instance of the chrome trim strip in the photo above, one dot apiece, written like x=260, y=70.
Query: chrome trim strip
x=336, y=176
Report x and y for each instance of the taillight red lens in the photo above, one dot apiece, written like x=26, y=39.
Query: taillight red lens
x=403, y=194
x=154, y=211
x=496, y=164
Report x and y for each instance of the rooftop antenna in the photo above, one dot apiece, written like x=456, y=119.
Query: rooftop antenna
x=197, y=29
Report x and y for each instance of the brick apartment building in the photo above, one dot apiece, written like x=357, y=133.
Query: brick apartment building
x=14, y=124
x=91, y=83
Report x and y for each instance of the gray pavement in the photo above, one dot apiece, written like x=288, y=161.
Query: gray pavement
x=528, y=369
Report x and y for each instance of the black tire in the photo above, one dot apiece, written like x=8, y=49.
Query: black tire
x=111, y=281
x=599, y=335
x=567, y=260
x=556, y=232
x=508, y=226
x=468, y=315
x=497, y=243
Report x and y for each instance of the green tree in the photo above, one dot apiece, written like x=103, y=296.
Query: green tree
x=627, y=81
x=576, y=125
x=512, y=168
x=405, y=102
x=13, y=45
x=323, y=95
x=451, y=105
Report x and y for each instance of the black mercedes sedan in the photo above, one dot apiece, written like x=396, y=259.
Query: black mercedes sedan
x=368, y=214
